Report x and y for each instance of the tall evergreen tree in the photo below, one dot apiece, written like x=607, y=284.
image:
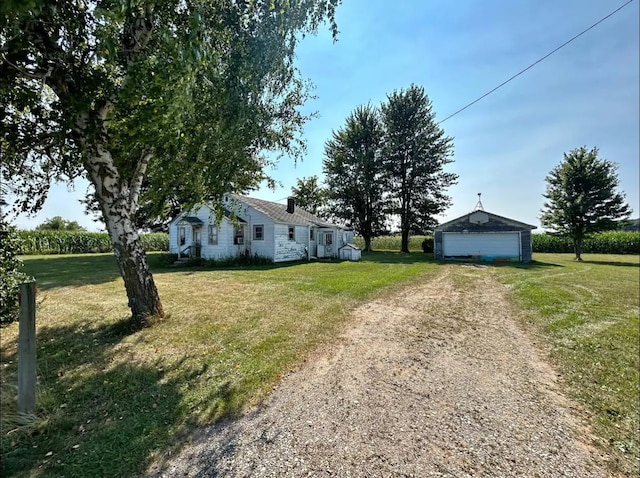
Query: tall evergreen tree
x=415, y=154
x=354, y=175
x=582, y=198
x=186, y=92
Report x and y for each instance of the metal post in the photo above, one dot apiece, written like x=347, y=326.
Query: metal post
x=27, y=349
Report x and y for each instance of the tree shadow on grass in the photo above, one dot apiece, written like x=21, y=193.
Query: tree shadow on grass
x=99, y=414
x=71, y=270
x=513, y=265
x=396, y=257
x=611, y=263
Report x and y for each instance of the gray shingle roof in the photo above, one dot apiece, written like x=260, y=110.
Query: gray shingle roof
x=278, y=212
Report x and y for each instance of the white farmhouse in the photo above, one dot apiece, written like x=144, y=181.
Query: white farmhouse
x=257, y=227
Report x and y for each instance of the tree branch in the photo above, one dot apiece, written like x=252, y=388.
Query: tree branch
x=136, y=180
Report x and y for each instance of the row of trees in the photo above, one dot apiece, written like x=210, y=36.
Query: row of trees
x=386, y=161
x=366, y=181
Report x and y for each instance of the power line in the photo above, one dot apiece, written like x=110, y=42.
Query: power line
x=419, y=133
x=535, y=63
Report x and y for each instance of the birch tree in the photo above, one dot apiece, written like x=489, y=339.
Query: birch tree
x=189, y=93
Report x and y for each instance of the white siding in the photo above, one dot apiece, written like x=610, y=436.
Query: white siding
x=286, y=250
x=265, y=247
x=173, y=237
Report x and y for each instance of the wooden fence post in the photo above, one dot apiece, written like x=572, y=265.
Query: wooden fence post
x=27, y=349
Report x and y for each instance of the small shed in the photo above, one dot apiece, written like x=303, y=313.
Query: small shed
x=483, y=236
x=350, y=252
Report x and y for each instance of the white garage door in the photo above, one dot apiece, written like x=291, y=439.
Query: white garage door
x=477, y=244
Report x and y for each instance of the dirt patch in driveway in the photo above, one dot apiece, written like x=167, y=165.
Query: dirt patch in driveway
x=437, y=380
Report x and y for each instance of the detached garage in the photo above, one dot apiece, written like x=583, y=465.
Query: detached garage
x=483, y=236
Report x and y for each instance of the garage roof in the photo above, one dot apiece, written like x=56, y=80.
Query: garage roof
x=495, y=217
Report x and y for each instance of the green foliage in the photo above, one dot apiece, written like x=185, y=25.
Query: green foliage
x=609, y=242
x=155, y=241
x=354, y=174
x=57, y=223
x=243, y=260
x=427, y=244
x=10, y=272
x=156, y=103
x=311, y=196
x=392, y=243
x=581, y=197
x=213, y=82
x=629, y=225
x=69, y=242
x=415, y=154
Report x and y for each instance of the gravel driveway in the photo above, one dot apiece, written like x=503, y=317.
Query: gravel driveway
x=436, y=380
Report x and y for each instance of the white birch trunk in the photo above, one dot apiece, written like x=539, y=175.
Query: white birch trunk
x=117, y=209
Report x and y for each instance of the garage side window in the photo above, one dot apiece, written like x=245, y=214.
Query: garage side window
x=258, y=232
x=213, y=235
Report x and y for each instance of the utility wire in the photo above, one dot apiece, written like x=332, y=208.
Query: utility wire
x=535, y=63
x=420, y=133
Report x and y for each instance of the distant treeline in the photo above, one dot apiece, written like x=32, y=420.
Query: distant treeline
x=80, y=242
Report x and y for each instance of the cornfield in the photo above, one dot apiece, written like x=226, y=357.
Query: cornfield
x=79, y=242
x=392, y=243
x=610, y=242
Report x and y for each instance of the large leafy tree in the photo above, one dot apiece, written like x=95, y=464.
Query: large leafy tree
x=354, y=175
x=415, y=154
x=310, y=195
x=187, y=93
x=582, y=197
x=57, y=223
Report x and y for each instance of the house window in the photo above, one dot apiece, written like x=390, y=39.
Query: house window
x=258, y=232
x=238, y=235
x=213, y=235
x=292, y=233
x=311, y=235
x=182, y=236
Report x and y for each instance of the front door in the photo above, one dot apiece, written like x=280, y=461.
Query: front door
x=328, y=244
x=197, y=244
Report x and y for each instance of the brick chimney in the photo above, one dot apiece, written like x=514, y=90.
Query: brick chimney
x=291, y=205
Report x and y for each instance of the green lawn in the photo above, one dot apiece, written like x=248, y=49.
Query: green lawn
x=109, y=400
x=587, y=314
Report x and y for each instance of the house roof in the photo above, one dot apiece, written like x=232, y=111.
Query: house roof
x=495, y=216
x=192, y=220
x=278, y=212
x=196, y=221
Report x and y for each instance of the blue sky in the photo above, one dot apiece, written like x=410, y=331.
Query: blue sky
x=586, y=94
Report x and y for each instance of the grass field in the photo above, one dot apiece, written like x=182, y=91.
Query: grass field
x=587, y=315
x=109, y=400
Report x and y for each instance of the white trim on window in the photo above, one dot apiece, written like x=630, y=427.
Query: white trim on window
x=258, y=232
x=213, y=235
